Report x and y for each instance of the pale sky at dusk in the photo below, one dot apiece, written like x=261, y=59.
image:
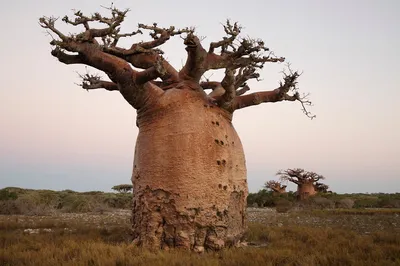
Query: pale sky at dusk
x=55, y=135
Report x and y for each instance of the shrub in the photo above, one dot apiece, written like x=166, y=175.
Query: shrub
x=322, y=203
x=389, y=203
x=118, y=201
x=283, y=205
x=8, y=207
x=23, y=207
x=345, y=203
x=5, y=194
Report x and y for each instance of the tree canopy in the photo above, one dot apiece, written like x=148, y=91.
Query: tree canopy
x=140, y=69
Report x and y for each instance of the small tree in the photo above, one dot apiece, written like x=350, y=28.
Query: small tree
x=276, y=187
x=123, y=188
x=321, y=187
x=304, y=180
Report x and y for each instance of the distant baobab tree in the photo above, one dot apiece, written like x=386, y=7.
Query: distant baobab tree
x=321, y=187
x=304, y=180
x=189, y=173
x=277, y=187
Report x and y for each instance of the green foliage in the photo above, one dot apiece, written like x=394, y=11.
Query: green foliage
x=5, y=194
x=46, y=202
x=264, y=198
x=118, y=201
x=123, y=188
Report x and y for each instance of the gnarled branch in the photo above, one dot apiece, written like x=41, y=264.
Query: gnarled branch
x=240, y=57
x=91, y=82
x=287, y=91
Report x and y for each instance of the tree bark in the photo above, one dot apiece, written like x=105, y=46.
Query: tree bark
x=306, y=190
x=189, y=174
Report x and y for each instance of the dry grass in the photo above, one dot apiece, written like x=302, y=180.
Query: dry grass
x=78, y=239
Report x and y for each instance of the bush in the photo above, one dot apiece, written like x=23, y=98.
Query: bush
x=316, y=202
x=322, y=203
x=23, y=207
x=5, y=194
x=367, y=202
x=118, y=201
x=8, y=207
x=345, y=203
x=389, y=203
x=283, y=205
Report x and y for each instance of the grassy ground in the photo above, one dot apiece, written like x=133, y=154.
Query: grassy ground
x=323, y=237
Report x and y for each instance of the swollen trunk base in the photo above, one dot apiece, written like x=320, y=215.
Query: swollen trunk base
x=189, y=175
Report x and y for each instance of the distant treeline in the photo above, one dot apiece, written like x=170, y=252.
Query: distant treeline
x=265, y=198
x=42, y=202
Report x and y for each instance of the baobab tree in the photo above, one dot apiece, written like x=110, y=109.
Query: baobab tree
x=189, y=173
x=305, y=181
x=321, y=187
x=277, y=187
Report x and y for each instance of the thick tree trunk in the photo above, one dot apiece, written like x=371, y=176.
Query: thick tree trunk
x=189, y=175
x=306, y=190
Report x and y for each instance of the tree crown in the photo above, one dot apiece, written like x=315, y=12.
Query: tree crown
x=299, y=176
x=141, y=70
x=125, y=188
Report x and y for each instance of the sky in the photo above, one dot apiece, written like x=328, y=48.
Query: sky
x=55, y=135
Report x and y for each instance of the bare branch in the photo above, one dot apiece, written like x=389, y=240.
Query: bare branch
x=241, y=58
x=287, y=91
x=242, y=90
x=195, y=63
x=91, y=82
x=67, y=58
x=48, y=23
x=160, y=35
x=157, y=70
x=232, y=31
x=228, y=83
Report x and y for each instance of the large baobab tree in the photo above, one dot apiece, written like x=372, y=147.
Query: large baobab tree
x=189, y=173
x=277, y=187
x=305, y=181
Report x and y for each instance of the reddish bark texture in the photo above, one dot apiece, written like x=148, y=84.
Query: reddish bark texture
x=195, y=195
x=189, y=173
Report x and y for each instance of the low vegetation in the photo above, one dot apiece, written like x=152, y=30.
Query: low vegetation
x=265, y=198
x=47, y=202
x=286, y=235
